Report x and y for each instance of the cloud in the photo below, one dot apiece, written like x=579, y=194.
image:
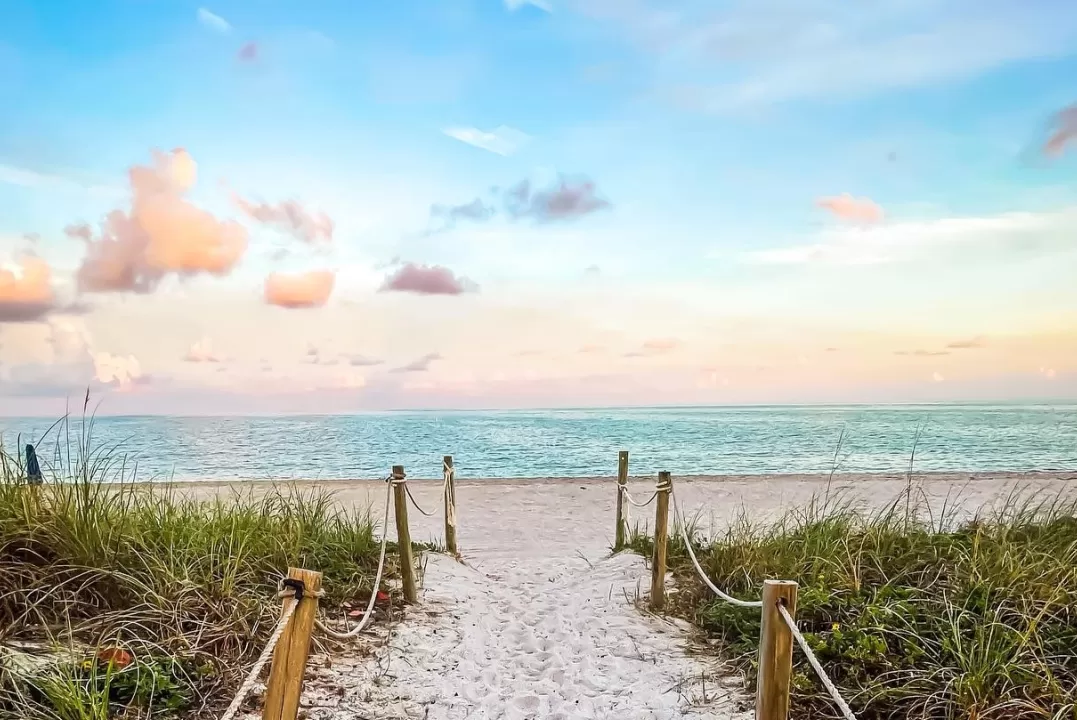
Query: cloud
x=249, y=52
x=659, y=346
x=213, y=21
x=569, y=199
x=851, y=209
x=23, y=177
x=970, y=344
x=922, y=353
x=291, y=217
x=501, y=140
x=70, y=365
x=314, y=356
x=514, y=5
x=1007, y=233
x=362, y=361
x=476, y=210
x=784, y=50
x=26, y=291
x=591, y=349
x=300, y=290
x=1063, y=132
x=202, y=352
x=937, y=377
x=420, y=365
x=426, y=280
x=162, y=233
x=592, y=270
x=1048, y=373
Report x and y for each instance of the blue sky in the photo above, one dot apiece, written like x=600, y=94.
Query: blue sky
x=709, y=129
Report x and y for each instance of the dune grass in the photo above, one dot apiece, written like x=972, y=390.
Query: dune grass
x=153, y=603
x=913, y=615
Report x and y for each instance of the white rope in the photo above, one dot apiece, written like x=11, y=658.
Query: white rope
x=631, y=501
x=252, y=676
x=827, y=683
x=679, y=520
x=377, y=578
x=450, y=494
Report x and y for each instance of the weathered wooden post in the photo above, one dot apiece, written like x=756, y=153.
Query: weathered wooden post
x=775, y=652
x=661, y=528
x=290, y=656
x=622, y=481
x=450, y=505
x=403, y=534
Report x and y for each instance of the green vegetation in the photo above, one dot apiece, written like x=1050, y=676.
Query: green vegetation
x=151, y=604
x=912, y=615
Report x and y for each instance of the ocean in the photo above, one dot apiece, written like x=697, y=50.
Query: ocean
x=580, y=443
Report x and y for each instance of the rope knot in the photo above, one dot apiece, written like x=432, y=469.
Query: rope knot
x=397, y=476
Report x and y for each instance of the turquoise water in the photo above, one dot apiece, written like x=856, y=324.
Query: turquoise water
x=554, y=443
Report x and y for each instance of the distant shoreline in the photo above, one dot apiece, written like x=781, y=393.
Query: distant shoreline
x=816, y=478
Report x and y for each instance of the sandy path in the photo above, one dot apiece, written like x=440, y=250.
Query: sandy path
x=541, y=622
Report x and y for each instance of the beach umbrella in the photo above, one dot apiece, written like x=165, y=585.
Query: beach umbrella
x=33, y=470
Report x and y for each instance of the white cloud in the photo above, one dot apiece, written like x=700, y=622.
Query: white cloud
x=937, y=377
x=202, y=352
x=123, y=371
x=911, y=240
x=24, y=177
x=719, y=56
x=213, y=21
x=501, y=140
x=514, y=5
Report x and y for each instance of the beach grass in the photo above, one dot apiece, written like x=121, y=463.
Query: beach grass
x=956, y=614
x=120, y=599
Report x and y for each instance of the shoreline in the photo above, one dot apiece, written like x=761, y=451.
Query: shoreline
x=951, y=477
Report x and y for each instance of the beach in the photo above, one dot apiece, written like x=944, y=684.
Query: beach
x=538, y=619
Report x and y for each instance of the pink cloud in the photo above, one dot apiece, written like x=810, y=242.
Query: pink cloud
x=1064, y=131
x=26, y=292
x=289, y=215
x=659, y=346
x=568, y=199
x=300, y=290
x=426, y=280
x=847, y=207
x=162, y=233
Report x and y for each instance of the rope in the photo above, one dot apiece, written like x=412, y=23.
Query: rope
x=628, y=497
x=390, y=481
x=252, y=677
x=827, y=682
x=417, y=505
x=679, y=520
x=450, y=494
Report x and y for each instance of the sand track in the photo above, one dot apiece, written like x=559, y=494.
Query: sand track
x=531, y=638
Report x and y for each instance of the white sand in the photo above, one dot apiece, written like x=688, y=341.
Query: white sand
x=542, y=623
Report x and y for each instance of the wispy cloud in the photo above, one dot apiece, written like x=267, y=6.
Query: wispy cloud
x=1023, y=233
x=249, y=52
x=568, y=199
x=363, y=361
x=311, y=227
x=970, y=344
x=514, y=5
x=420, y=365
x=658, y=346
x=24, y=177
x=787, y=49
x=502, y=140
x=922, y=353
x=851, y=209
x=213, y=21
x=1063, y=131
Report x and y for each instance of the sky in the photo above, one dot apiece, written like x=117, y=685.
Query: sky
x=331, y=206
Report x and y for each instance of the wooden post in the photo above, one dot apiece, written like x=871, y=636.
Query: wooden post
x=403, y=536
x=661, y=528
x=622, y=481
x=450, y=505
x=290, y=657
x=775, y=652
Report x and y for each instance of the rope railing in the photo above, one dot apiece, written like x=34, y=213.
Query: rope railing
x=778, y=628
x=267, y=652
x=831, y=688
